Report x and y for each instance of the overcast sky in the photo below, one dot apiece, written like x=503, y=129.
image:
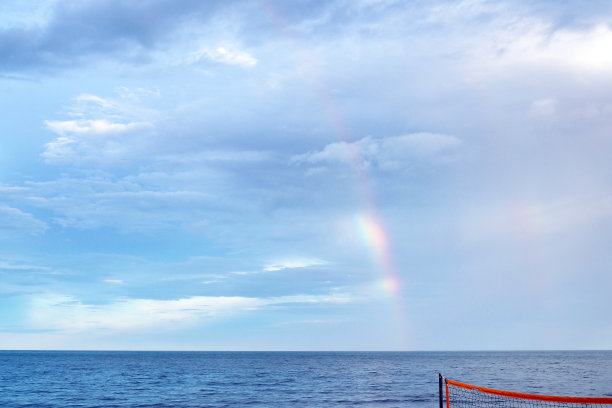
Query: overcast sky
x=305, y=175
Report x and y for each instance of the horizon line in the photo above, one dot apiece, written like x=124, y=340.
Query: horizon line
x=305, y=351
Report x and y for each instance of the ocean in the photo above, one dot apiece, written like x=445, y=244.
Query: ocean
x=286, y=379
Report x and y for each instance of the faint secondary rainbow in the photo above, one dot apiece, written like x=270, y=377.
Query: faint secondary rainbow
x=368, y=224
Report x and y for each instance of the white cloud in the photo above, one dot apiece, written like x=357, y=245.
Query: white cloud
x=53, y=311
x=223, y=56
x=114, y=281
x=292, y=263
x=18, y=265
x=94, y=127
x=387, y=153
x=102, y=130
x=533, y=43
x=339, y=152
x=130, y=105
x=135, y=94
x=92, y=140
x=14, y=220
x=195, y=200
x=63, y=312
x=85, y=99
x=123, y=204
x=545, y=107
x=588, y=50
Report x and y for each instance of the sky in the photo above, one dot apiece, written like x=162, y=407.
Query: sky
x=305, y=175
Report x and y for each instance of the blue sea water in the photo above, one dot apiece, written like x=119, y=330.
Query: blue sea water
x=286, y=379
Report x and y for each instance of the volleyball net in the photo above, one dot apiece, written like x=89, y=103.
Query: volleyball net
x=455, y=394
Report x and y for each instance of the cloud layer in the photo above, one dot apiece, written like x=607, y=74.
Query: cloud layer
x=256, y=170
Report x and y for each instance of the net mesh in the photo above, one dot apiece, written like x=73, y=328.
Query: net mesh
x=477, y=397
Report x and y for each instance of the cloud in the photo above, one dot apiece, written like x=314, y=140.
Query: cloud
x=387, y=153
x=11, y=265
x=292, y=263
x=128, y=104
x=199, y=190
x=96, y=202
x=114, y=281
x=92, y=127
x=63, y=34
x=64, y=312
x=240, y=163
x=14, y=220
x=223, y=56
x=545, y=107
x=91, y=141
x=125, y=131
x=53, y=311
x=73, y=30
x=105, y=131
x=525, y=45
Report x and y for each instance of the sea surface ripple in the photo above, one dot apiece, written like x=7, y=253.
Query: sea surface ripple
x=285, y=379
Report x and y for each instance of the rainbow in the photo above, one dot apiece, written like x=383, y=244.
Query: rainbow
x=368, y=224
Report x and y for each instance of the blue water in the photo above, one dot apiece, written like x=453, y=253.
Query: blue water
x=285, y=379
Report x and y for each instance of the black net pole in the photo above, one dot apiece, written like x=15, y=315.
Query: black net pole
x=440, y=379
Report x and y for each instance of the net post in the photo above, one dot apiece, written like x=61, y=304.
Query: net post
x=440, y=380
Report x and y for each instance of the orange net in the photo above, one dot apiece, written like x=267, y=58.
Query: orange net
x=462, y=395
